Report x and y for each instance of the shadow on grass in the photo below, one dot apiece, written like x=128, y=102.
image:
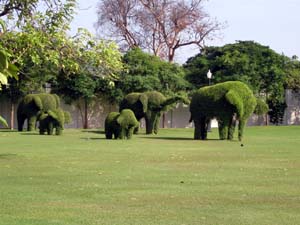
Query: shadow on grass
x=94, y=131
x=168, y=138
x=4, y=130
x=28, y=133
x=7, y=156
x=180, y=138
x=93, y=138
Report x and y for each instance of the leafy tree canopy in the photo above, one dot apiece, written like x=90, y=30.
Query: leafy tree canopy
x=145, y=72
x=98, y=64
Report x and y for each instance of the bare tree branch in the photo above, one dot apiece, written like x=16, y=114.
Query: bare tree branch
x=159, y=26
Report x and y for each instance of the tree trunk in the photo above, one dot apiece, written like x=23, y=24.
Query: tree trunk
x=86, y=122
x=163, y=120
x=12, y=115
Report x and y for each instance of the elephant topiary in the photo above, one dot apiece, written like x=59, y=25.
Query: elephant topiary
x=120, y=125
x=228, y=102
x=32, y=105
x=149, y=105
x=52, y=119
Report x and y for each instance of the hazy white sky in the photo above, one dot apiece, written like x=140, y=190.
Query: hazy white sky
x=275, y=23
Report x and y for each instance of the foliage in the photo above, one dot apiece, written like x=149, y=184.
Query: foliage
x=227, y=102
x=40, y=47
x=260, y=67
x=145, y=72
x=292, y=80
x=20, y=11
x=98, y=63
x=3, y=121
x=120, y=125
x=277, y=111
x=7, y=69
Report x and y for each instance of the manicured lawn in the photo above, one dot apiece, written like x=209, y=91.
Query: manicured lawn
x=167, y=179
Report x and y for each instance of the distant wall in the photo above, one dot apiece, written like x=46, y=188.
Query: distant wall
x=176, y=118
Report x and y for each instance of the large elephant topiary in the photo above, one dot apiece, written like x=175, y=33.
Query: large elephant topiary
x=53, y=119
x=149, y=105
x=120, y=125
x=32, y=105
x=228, y=102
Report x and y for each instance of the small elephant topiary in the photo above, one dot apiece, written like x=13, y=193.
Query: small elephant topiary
x=228, y=102
x=120, y=125
x=52, y=119
x=34, y=104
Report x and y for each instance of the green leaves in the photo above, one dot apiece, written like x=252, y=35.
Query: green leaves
x=6, y=69
x=3, y=121
x=145, y=72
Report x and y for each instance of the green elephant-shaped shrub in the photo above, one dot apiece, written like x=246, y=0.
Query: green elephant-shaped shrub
x=120, y=125
x=32, y=105
x=228, y=102
x=53, y=119
x=149, y=105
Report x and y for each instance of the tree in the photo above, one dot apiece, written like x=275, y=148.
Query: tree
x=158, y=26
x=260, y=67
x=98, y=63
x=292, y=74
x=21, y=11
x=7, y=69
x=146, y=72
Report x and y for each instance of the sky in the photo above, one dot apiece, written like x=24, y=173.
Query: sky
x=274, y=23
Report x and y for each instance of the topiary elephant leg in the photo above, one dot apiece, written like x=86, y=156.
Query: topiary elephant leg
x=50, y=128
x=108, y=135
x=204, y=126
x=149, y=125
x=223, y=124
x=156, y=124
x=58, y=131
x=231, y=128
x=136, y=130
x=31, y=123
x=122, y=134
x=21, y=120
x=197, y=131
x=242, y=124
x=129, y=133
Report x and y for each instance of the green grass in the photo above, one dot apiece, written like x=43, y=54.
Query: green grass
x=168, y=179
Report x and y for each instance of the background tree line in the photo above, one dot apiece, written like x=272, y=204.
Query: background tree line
x=82, y=68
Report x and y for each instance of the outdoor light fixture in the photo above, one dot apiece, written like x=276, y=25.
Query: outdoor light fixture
x=209, y=76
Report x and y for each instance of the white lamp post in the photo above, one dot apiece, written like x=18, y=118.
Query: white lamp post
x=209, y=76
